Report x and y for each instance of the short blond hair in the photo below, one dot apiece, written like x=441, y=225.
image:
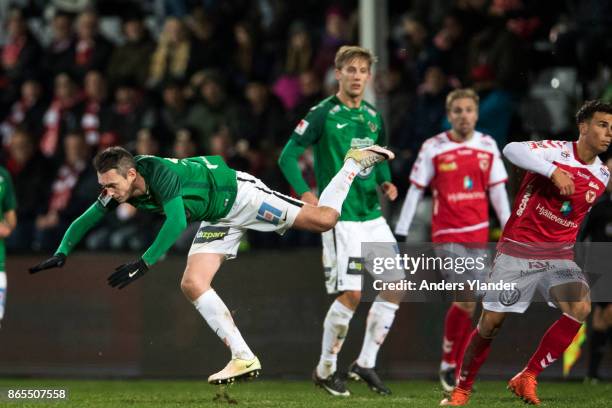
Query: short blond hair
x=460, y=94
x=347, y=53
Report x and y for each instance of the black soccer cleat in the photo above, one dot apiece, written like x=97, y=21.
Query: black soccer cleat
x=334, y=384
x=369, y=376
x=447, y=379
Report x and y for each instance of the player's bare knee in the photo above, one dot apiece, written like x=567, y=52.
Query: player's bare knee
x=327, y=219
x=350, y=298
x=192, y=288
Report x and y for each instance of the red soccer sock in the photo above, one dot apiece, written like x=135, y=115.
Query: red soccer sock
x=456, y=324
x=553, y=344
x=476, y=354
x=463, y=343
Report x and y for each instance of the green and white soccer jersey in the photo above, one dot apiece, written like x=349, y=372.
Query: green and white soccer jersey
x=332, y=128
x=205, y=183
x=7, y=202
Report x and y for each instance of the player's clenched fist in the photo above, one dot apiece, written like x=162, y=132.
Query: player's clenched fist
x=563, y=181
x=56, y=261
x=127, y=273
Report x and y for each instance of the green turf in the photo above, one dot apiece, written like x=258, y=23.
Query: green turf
x=261, y=393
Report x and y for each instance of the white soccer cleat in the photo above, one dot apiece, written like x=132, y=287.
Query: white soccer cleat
x=367, y=157
x=237, y=369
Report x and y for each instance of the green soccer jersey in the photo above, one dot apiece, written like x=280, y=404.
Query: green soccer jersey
x=200, y=188
x=7, y=203
x=332, y=128
x=206, y=184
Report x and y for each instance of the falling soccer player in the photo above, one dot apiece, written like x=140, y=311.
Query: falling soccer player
x=462, y=166
x=228, y=202
x=562, y=182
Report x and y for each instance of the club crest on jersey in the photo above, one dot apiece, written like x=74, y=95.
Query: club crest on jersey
x=301, y=127
x=565, y=155
x=604, y=171
x=590, y=196
x=468, y=183
x=484, y=164
x=566, y=208
x=373, y=127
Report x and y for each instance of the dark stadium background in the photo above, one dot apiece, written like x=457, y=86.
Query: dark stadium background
x=249, y=70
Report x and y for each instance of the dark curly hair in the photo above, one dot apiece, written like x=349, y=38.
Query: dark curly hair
x=588, y=109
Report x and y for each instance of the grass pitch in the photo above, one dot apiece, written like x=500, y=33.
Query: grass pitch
x=263, y=393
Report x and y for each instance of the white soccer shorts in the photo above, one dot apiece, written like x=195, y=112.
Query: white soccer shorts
x=529, y=275
x=343, y=262
x=256, y=207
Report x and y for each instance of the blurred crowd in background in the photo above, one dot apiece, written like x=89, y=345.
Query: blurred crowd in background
x=180, y=78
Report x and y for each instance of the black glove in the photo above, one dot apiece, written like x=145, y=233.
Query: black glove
x=127, y=273
x=56, y=261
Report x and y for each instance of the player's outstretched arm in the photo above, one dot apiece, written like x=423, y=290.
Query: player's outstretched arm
x=72, y=237
x=170, y=231
x=413, y=196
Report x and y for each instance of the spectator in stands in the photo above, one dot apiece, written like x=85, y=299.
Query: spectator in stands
x=20, y=56
x=311, y=91
x=63, y=115
x=175, y=56
x=26, y=112
x=413, y=49
x=390, y=84
x=74, y=187
x=132, y=59
x=59, y=54
x=336, y=35
x=215, y=111
x=451, y=45
x=265, y=118
x=184, y=144
x=173, y=114
x=93, y=50
x=424, y=119
x=96, y=115
x=248, y=60
x=32, y=174
x=130, y=112
x=298, y=59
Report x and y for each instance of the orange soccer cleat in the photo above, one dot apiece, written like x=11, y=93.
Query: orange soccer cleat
x=459, y=397
x=525, y=386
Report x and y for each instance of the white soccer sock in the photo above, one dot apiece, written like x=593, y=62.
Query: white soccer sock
x=336, y=191
x=2, y=293
x=335, y=327
x=219, y=318
x=380, y=320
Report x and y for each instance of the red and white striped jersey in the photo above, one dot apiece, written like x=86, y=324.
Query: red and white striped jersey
x=540, y=214
x=459, y=175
